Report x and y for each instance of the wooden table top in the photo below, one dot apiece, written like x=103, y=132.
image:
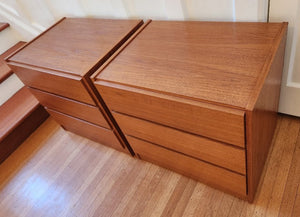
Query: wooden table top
x=75, y=45
x=219, y=62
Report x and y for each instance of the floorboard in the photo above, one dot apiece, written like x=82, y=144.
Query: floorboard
x=57, y=173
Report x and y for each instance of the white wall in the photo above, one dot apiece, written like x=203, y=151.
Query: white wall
x=8, y=37
x=30, y=17
x=289, y=10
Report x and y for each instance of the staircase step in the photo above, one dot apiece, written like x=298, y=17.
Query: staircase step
x=5, y=71
x=19, y=117
x=13, y=110
x=3, y=26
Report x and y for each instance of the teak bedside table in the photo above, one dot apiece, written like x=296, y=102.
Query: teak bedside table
x=56, y=67
x=199, y=98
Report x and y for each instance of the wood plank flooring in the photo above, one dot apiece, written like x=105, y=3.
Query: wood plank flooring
x=57, y=173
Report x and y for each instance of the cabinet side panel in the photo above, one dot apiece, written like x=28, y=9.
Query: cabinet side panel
x=261, y=122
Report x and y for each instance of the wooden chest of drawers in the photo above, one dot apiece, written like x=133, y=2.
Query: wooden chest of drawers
x=199, y=98
x=56, y=67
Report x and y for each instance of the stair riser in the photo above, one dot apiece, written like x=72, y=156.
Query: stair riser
x=21, y=132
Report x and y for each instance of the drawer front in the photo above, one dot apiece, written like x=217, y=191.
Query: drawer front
x=223, y=124
x=199, y=170
x=68, y=86
x=221, y=154
x=86, y=129
x=74, y=108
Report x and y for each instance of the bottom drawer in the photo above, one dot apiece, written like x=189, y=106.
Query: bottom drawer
x=86, y=129
x=199, y=170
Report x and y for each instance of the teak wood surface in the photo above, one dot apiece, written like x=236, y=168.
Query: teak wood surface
x=221, y=123
x=219, y=80
x=199, y=170
x=261, y=121
x=219, y=62
x=76, y=45
x=70, y=107
x=221, y=154
x=86, y=129
x=66, y=85
x=188, y=75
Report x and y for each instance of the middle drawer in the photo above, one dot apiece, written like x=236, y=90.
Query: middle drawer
x=71, y=107
x=208, y=150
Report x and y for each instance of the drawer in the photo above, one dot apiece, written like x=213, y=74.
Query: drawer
x=216, y=122
x=86, y=129
x=199, y=170
x=221, y=154
x=68, y=106
x=69, y=86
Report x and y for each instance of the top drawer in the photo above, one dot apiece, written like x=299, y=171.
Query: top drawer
x=69, y=86
x=223, y=124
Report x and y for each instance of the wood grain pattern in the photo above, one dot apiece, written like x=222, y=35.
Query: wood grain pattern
x=172, y=70
x=105, y=111
x=56, y=173
x=5, y=71
x=65, y=85
x=293, y=178
x=221, y=123
x=99, y=100
x=191, y=167
x=261, y=121
x=202, y=148
x=70, y=107
x=198, y=77
x=61, y=59
x=44, y=32
x=88, y=130
x=76, y=45
x=175, y=57
x=277, y=49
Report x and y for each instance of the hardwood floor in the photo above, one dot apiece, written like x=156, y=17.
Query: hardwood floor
x=57, y=173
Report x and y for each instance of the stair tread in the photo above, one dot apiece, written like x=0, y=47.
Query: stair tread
x=5, y=71
x=3, y=26
x=15, y=110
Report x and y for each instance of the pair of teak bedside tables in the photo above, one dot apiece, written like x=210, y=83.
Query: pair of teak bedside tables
x=199, y=98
